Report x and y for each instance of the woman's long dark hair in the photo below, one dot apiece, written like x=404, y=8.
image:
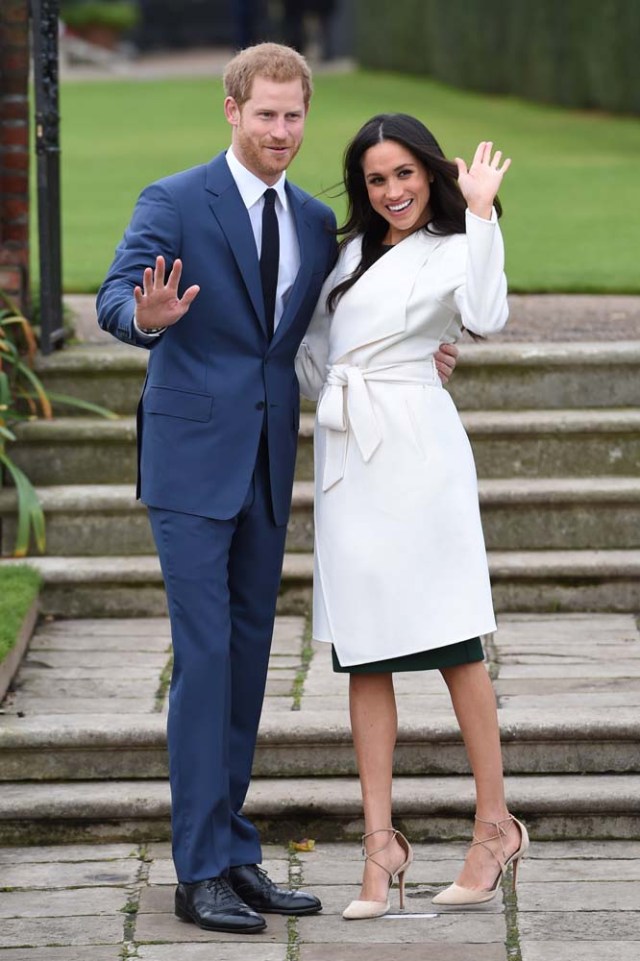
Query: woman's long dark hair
x=447, y=205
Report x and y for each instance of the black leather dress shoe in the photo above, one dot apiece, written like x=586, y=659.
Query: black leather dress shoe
x=256, y=889
x=214, y=906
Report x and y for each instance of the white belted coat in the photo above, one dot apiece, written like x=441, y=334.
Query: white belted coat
x=400, y=563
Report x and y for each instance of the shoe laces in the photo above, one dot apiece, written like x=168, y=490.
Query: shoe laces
x=263, y=878
x=222, y=890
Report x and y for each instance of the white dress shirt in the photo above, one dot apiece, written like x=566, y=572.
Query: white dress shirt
x=252, y=190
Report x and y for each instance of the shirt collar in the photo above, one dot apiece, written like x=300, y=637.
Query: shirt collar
x=251, y=187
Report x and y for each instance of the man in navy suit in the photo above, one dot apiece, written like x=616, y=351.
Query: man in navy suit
x=223, y=314
x=217, y=428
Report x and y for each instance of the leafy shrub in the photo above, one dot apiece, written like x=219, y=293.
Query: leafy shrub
x=23, y=397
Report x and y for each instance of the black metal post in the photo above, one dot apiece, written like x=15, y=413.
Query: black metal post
x=44, y=25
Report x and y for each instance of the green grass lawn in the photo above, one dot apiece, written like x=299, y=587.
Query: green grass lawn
x=19, y=587
x=571, y=198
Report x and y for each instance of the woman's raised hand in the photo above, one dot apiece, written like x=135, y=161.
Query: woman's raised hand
x=157, y=303
x=481, y=181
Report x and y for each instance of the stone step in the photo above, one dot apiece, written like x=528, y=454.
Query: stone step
x=77, y=450
x=560, y=513
x=588, y=580
x=571, y=806
x=530, y=513
x=523, y=443
x=314, y=743
x=555, y=443
x=111, y=375
x=490, y=375
x=556, y=376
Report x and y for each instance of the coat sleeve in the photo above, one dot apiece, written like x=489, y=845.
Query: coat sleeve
x=313, y=353
x=481, y=294
x=312, y=360
x=154, y=229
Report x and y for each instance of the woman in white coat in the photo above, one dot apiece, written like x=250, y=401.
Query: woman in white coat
x=401, y=580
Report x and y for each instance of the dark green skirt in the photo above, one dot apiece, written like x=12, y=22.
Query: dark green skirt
x=464, y=652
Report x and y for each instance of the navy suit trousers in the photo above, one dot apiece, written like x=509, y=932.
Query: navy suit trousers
x=222, y=579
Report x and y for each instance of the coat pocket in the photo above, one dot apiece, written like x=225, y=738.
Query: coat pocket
x=172, y=402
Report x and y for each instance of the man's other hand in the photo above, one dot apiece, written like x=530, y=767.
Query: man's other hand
x=446, y=359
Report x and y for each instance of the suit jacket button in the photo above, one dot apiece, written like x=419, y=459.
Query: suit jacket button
x=260, y=405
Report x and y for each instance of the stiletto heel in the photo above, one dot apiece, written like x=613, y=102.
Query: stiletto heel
x=401, y=889
x=456, y=894
x=361, y=910
x=514, y=873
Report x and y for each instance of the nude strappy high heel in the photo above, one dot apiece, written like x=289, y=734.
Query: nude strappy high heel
x=455, y=894
x=359, y=910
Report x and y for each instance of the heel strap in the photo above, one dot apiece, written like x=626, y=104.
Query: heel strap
x=499, y=836
x=371, y=855
x=391, y=831
x=496, y=824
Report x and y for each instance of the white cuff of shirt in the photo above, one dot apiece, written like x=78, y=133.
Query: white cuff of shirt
x=151, y=334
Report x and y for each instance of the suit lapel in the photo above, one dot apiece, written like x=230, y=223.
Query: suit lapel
x=301, y=283
x=232, y=215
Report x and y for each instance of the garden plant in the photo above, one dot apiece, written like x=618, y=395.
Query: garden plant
x=24, y=397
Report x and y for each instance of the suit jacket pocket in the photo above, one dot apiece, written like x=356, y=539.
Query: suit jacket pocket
x=186, y=404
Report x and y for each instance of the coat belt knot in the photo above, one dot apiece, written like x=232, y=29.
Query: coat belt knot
x=345, y=405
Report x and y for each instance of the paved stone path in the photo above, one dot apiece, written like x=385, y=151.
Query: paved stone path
x=122, y=667
x=576, y=901
x=543, y=665
x=159, y=65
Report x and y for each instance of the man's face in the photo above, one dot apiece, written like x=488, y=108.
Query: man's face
x=268, y=128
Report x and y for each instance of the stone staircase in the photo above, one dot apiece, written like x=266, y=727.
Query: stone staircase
x=556, y=434
x=82, y=737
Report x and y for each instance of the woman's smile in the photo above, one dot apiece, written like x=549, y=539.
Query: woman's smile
x=401, y=207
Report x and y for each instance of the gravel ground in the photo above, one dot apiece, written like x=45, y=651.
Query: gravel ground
x=534, y=317
x=567, y=317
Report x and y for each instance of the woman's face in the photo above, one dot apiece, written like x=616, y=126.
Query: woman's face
x=399, y=188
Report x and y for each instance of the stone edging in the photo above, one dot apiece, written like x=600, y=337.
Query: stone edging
x=11, y=663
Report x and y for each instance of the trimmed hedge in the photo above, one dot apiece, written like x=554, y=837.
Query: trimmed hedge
x=119, y=15
x=578, y=53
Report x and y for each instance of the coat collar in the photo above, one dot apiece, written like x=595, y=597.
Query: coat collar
x=376, y=306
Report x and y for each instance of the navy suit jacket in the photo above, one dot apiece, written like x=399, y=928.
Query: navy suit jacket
x=214, y=376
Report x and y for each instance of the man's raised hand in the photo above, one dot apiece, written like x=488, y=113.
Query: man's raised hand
x=157, y=303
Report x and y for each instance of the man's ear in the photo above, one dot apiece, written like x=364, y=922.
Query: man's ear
x=232, y=111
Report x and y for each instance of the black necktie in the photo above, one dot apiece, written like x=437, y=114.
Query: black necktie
x=269, y=257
